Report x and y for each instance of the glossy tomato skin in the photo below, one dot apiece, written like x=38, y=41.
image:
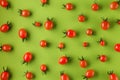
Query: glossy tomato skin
x=6, y=47
x=90, y=73
x=63, y=60
x=114, y=5
x=5, y=28
x=95, y=7
x=61, y=45
x=43, y=68
x=24, y=13
x=118, y=21
x=117, y=47
x=4, y=3
x=81, y=18
x=103, y=58
x=83, y=63
x=85, y=44
x=102, y=43
x=37, y=24
x=27, y=57
x=44, y=1
x=48, y=24
x=43, y=43
x=23, y=33
x=105, y=25
x=29, y=75
x=113, y=76
x=70, y=33
x=64, y=77
x=69, y=6
x=5, y=75
x=89, y=32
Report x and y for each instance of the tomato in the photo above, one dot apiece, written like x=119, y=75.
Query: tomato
x=81, y=18
x=44, y=2
x=102, y=43
x=90, y=73
x=102, y=58
x=85, y=44
x=83, y=62
x=43, y=43
x=49, y=24
x=70, y=33
x=43, y=68
x=95, y=7
x=64, y=76
x=27, y=57
x=61, y=45
x=114, y=5
x=63, y=60
x=29, y=75
x=24, y=13
x=89, y=32
x=5, y=27
x=118, y=21
x=37, y=24
x=5, y=75
x=117, y=47
x=23, y=33
x=105, y=24
x=69, y=6
x=112, y=76
x=4, y=3
x=6, y=47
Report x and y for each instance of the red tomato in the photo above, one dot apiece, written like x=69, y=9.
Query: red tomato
x=6, y=47
x=24, y=13
x=112, y=76
x=85, y=44
x=81, y=18
x=37, y=24
x=43, y=43
x=5, y=75
x=23, y=33
x=114, y=5
x=102, y=43
x=118, y=21
x=117, y=47
x=43, y=68
x=89, y=32
x=5, y=27
x=103, y=58
x=48, y=24
x=29, y=75
x=105, y=24
x=83, y=62
x=61, y=45
x=70, y=33
x=64, y=77
x=90, y=73
x=4, y=3
x=27, y=57
x=63, y=60
x=95, y=7
x=44, y=2
x=69, y=6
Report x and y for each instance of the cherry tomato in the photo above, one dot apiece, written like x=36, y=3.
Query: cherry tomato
x=27, y=57
x=114, y=5
x=44, y=2
x=4, y=3
x=5, y=75
x=81, y=18
x=83, y=62
x=102, y=42
x=95, y=7
x=85, y=44
x=69, y=6
x=43, y=68
x=63, y=60
x=43, y=43
x=102, y=58
x=5, y=27
x=118, y=21
x=6, y=47
x=70, y=33
x=89, y=32
x=89, y=73
x=29, y=75
x=24, y=13
x=37, y=24
x=117, y=47
x=64, y=77
x=112, y=76
x=61, y=45
x=23, y=33
x=105, y=24
x=48, y=24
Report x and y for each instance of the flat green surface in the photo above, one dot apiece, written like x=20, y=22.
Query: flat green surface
x=64, y=20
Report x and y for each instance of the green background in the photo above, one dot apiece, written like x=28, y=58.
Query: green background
x=64, y=20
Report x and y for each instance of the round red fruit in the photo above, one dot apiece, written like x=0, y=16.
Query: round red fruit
x=27, y=57
x=37, y=24
x=43, y=43
x=61, y=45
x=105, y=24
x=114, y=5
x=90, y=73
x=81, y=18
x=5, y=75
x=70, y=33
x=44, y=1
x=64, y=76
x=29, y=75
x=23, y=33
x=4, y=3
x=117, y=47
x=103, y=58
x=48, y=24
x=85, y=44
x=6, y=47
x=63, y=60
x=95, y=7
x=5, y=28
x=69, y=6
x=43, y=68
x=112, y=76
x=89, y=32
x=24, y=13
x=83, y=62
